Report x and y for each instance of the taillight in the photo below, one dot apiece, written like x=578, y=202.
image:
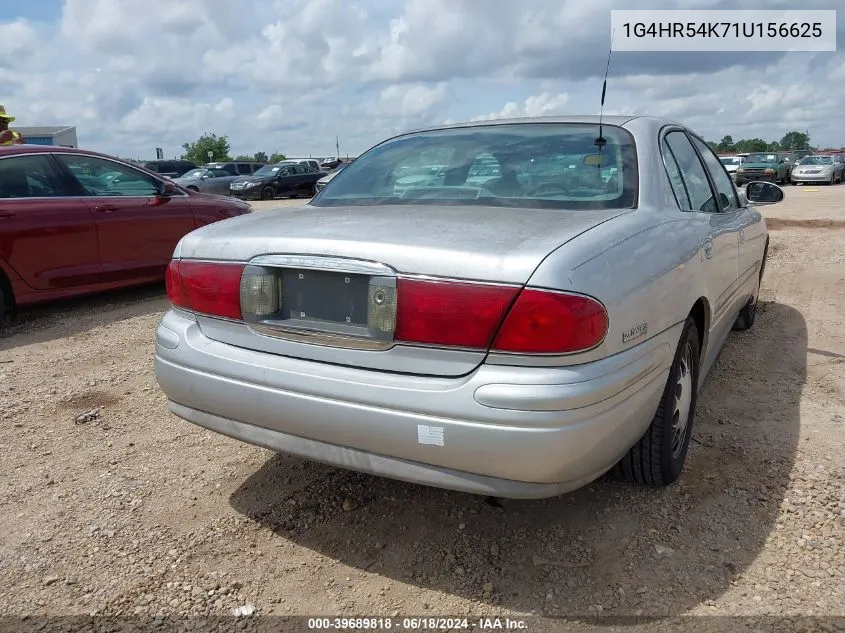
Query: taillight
x=548, y=322
x=450, y=313
x=174, y=284
x=205, y=287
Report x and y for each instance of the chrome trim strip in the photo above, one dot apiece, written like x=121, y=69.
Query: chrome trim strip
x=326, y=339
x=458, y=280
x=325, y=263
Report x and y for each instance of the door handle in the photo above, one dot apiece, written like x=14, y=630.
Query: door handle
x=708, y=248
x=105, y=208
x=741, y=236
x=6, y=214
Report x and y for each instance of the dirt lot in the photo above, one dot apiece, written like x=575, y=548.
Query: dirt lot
x=133, y=512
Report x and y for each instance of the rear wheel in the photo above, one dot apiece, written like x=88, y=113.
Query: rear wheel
x=192, y=188
x=658, y=458
x=268, y=193
x=5, y=299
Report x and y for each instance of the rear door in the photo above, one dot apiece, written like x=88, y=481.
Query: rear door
x=285, y=180
x=303, y=178
x=137, y=228
x=47, y=234
x=716, y=215
x=751, y=232
x=218, y=181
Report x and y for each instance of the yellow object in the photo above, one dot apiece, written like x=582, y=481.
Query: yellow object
x=3, y=114
x=804, y=189
x=16, y=138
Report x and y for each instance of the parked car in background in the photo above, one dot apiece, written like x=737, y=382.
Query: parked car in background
x=416, y=176
x=288, y=178
x=328, y=177
x=791, y=160
x=820, y=168
x=763, y=166
x=332, y=162
x=731, y=164
x=207, y=180
x=313, y=163
x=469, y=336
x=75, y=222
x=237, y=168
x=170, y=168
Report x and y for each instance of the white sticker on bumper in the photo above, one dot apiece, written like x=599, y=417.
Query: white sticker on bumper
x=432, y=435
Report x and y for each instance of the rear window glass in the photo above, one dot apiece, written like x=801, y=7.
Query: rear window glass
x=539, y=165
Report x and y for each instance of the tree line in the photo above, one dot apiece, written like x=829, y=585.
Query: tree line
x=197, y=152
x=791, y=141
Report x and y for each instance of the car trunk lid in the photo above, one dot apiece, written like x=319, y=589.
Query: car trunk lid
x=335, y=273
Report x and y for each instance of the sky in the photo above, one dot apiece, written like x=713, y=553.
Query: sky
x=293, y=76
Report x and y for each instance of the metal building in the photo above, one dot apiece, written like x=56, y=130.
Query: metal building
x=59, y=136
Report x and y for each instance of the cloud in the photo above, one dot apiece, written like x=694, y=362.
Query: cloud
x=410, y=100
x=543, y=104
x=292, y=76
x=18, y=40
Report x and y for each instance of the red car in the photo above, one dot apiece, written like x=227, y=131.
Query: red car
x=76, y=222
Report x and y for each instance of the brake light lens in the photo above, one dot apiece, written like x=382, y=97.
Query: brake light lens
x=173, y=284
x=450, y=313
x=208, y=288
x=547, y=322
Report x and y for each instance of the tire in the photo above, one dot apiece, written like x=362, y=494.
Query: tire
x=658, y=458
x=5, y=301
x=268, y=193
x=745, y=318
x=192, y=188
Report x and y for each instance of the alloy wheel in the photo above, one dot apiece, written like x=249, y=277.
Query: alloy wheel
x=682, y=402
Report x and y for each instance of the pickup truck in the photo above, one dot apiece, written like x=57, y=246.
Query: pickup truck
x=769, y=166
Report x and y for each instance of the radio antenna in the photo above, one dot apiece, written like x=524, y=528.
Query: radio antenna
x=601, y=141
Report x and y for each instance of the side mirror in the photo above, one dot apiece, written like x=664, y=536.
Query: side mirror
x=169, y=189
x=760, y=193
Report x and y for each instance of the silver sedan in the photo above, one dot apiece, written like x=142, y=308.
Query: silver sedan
x=207, y=180
x=516, y=337
x=822, y=168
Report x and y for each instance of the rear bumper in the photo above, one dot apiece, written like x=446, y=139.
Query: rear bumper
x=503, y=431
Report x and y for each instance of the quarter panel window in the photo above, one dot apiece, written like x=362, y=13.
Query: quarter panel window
x=675, y=178
x=692, y=172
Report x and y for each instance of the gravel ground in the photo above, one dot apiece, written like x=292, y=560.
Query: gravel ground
x=112, y=506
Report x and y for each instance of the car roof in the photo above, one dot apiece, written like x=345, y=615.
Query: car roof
x=10, y=150
x=616, y=120
x=636, y=124
x=48, y=149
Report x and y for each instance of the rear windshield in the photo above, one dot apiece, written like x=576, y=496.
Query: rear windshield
x=533, y=165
